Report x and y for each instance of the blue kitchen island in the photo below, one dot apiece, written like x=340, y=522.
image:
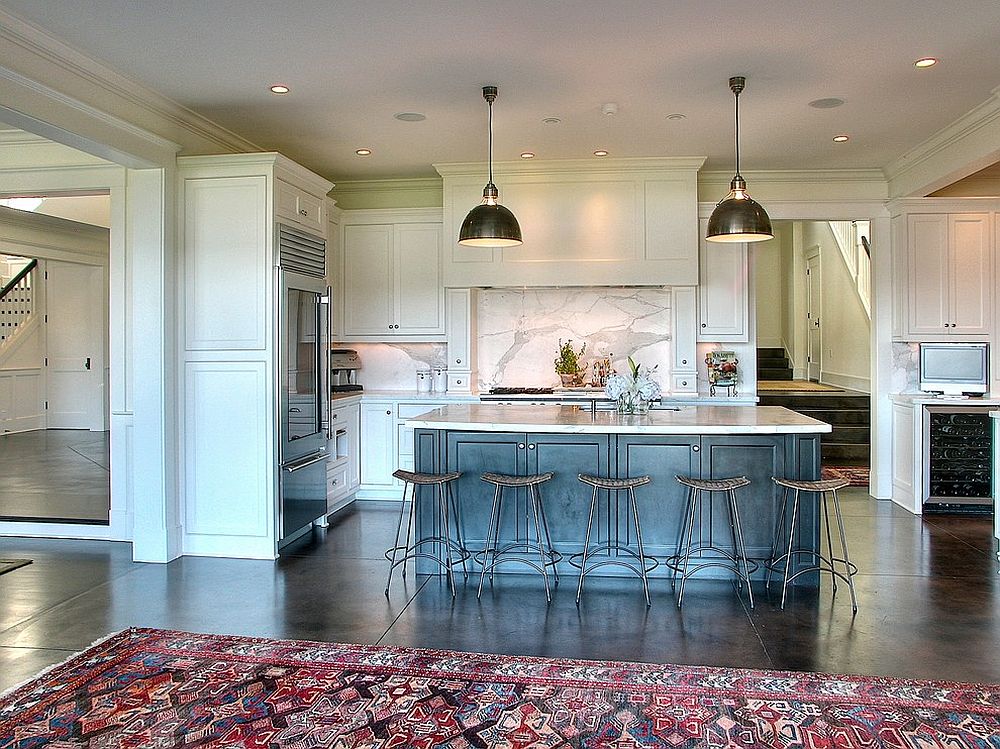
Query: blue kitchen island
x=695, y=441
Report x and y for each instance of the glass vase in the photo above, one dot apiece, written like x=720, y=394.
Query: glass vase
x=629, y=404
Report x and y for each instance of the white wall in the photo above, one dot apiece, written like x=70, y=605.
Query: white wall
x=769, y=289
x=846, y=329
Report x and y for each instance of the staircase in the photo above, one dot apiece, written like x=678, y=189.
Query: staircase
x=16, y=301
x=849, y=444
x=773, y=364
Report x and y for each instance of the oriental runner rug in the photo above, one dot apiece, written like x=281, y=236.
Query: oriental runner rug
x=152, y=688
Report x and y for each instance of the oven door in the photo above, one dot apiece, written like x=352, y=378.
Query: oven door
x=303, y=353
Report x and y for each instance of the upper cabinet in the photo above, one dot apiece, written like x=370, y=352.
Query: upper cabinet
x=626, y=222
x=391, y=275
x=944, y=254
x=297, y=206
x=723, y=294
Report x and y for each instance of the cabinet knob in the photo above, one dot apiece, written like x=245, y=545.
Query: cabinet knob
x=520, y=445
x=458, y=361
x=531, y=447
x=684, y=361
x=335, y=416
x=388, y=413
x=390, y=327
x=684, y=383
x=396, y=327
x=704, y=325
x=458, y=382
x=695, y=448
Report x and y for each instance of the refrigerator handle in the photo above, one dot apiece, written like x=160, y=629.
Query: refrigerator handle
x=326, y=325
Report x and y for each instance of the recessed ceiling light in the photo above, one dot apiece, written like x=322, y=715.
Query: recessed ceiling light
x=841, y=138
x=925, y=62
x=279, y=88
x=410, y=116
x=828, y=103
x=676, y=116
x=551, y=121
x=527, y=155
x=364, y=152
x=600, y=152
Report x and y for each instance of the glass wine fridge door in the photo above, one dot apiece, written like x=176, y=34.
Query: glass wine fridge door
x=959, y=460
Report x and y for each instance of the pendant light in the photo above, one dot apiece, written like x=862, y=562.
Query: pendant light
x=738, y=217
x=489, y=224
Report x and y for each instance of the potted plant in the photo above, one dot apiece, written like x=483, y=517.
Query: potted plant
x=568, y=365
x=633, y=392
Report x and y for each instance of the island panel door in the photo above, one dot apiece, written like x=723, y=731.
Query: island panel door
x=565, y=499
x=661, y=502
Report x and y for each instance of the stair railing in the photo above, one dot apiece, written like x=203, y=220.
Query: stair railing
x=16, y=300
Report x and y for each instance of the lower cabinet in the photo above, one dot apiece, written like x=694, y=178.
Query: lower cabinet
x=343, y=469
x=661, y=503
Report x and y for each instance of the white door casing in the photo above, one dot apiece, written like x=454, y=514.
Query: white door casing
x=74, y=341
x=814, y=331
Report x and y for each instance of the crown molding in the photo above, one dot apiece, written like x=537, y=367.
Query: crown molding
x=795, y=176
x=368, y=186
x=268, y=162
x=903, y=173
x=40, y=50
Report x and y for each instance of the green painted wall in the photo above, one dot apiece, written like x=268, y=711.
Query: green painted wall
x=389, y=193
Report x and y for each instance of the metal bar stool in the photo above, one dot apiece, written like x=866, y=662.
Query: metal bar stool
x=717, y=556
x=821, y=563
x=584, y=560
x=492, y=556
x=446, y=515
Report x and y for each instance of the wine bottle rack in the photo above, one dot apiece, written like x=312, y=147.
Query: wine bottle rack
x=960, y=454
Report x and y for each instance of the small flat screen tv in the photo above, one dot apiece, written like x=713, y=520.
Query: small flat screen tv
x=954, y=368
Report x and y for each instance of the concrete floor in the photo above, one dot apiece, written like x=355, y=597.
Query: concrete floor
x=56, y=476
x=929, y=597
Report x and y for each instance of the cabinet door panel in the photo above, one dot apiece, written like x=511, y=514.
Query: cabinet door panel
x=367, y=272
x=566, y=500
x=971, y=269
x=927, y=257
x=474, y=453
x=378, y=427
x=722, y=291
x=757, y=458
x=418, y=290
x=661, y=503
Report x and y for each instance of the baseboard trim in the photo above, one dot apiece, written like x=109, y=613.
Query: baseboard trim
x=851, y=382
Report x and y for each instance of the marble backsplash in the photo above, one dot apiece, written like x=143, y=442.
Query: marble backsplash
x=519, y=331
x=393, y=366
x=905, y=376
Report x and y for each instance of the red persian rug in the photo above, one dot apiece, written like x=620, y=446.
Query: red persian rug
x=151, y=688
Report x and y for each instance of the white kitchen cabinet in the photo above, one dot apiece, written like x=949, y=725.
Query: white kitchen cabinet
x=943, y=253
x=294, y=205
x=723, y=293
x=344, y=466
x=461, y=327
x=391, y=273
x=378, y=445
x=685, y=351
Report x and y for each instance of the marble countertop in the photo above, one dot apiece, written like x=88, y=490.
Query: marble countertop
x=570, y=420
x=907, y=399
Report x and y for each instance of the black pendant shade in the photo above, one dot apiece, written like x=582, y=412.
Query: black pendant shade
x=738, y=217
x=489, y=224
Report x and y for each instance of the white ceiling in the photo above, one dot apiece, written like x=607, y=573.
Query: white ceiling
x=352, y=65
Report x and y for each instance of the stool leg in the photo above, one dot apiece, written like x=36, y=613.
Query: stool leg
x=791, y=540
x=533, y=492
x=395, y=545
x=742, y=544
x=459, y=534
x=545, y=527
x=847, y=555
x=730, y=508
x=696, y=499
x=829, y=543
x=411, y=520
x=638, y=541
x=680, y=540
x=489, y=545
x=446, y=530
x=586, y=545
x=777, y=536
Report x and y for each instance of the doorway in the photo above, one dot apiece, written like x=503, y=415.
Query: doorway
x=814, y=304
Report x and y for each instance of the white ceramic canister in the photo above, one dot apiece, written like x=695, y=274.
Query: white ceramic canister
x=423, y=380
x=440, y=376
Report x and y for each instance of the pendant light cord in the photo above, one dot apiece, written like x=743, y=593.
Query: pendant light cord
x=738, y=134
x=490, y=102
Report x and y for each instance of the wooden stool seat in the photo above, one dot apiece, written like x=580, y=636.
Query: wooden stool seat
x=600, y=482
x=502, y=479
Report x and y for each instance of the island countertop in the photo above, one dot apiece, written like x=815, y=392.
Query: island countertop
x=475, y=417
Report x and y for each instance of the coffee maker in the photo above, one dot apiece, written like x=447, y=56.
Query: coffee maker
x=344, y=366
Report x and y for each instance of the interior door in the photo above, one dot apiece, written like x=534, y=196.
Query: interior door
x=74, y=302
x=814, y=332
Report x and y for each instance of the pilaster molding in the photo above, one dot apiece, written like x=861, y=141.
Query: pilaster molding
x=970, y=143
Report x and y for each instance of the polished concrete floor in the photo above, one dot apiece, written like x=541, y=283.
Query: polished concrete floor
x=929, y=595
x=56, y=476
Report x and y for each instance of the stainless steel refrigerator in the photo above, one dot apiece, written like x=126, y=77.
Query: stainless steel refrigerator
x=303, y=370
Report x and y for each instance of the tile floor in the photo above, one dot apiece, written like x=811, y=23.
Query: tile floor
x=929, y=595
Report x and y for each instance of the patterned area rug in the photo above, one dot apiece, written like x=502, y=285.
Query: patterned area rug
x=857, y=475
x=7, y=565
x=151, y=688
